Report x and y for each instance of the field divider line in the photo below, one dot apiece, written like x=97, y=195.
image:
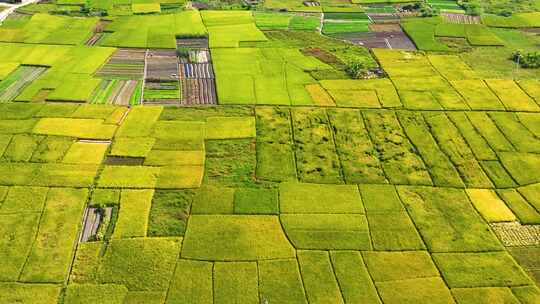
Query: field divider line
x=144, y=77
x=333, y=136
x=35, y=236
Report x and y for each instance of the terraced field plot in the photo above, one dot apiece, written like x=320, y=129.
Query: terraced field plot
x=233, y=157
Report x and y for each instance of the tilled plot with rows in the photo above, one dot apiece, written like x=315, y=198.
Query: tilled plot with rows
x=161, y=65
x=124, y=63
x=196, y=74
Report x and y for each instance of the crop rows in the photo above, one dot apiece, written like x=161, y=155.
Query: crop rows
x=201, y=215
x=449, y=149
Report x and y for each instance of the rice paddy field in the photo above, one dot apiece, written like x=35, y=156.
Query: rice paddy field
x=154, y=153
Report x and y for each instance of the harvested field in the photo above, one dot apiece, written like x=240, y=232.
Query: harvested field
x=14, y=84
x=324, y=56
x=161, y=65
x=98, y=32
x=385, y=40
x=515, y=234
x=194, y=43
x=124, y=161
x=199, y=92
x=460, y=18
x=384, y=18
x=94, y=39
x=384, y=27
x=124, y=64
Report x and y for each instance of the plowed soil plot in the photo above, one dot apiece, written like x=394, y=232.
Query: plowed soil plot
x=125, y=64
x=124, y=161
x=98, y=32
x=11, y=86
x=94, y=39
x=161, y=65
x=387, y=40
x=115, y=91
x=195, y=43
x=199, y=91
x=125, y=92
x=384, y=27
x=460, y=18
x=198, y=70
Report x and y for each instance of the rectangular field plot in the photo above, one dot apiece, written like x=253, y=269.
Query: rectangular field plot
x=447, y=221
x=396, y=266
x=236, y=282
x=280, y=280
x=27, y=293
x=353, y=278
x=395, y=152
x=316, y=156
x=192, y=280
x=357, y=153
x=124, y=64
x=16, y=81
x=51, y=252
x=271, y=76
x=327, y=231
x=153, y=31
x=18, y=231
x=235, y=238
x=48, y=175
x=319, y=280
x=433, y=290
x=494, y=269
x=318, y=198
x=140, y=264
x=50, y=29
x=79, y=128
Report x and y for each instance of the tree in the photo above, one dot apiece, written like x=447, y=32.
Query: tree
x=356, y=70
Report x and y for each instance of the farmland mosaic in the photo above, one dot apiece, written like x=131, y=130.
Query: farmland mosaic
x=272, y=152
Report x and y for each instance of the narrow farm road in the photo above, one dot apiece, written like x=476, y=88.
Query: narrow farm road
x=12, y=7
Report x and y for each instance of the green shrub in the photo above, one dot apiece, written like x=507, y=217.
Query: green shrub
x=527, y=60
